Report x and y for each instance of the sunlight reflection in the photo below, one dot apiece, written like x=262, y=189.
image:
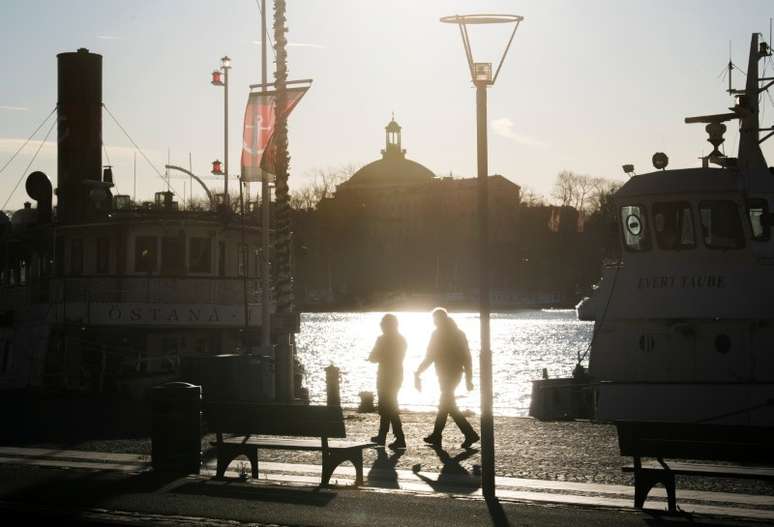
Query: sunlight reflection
x=523, y=343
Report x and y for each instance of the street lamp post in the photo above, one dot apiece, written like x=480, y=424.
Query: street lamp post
x=222, y=80
x=481, y=75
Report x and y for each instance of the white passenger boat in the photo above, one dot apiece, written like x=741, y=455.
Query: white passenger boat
x=684, y=323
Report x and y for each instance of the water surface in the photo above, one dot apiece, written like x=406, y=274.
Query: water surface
x=523, y=343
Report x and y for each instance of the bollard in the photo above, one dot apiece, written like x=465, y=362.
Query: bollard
x=176, y=428
x=366, y=403
x=332, y=376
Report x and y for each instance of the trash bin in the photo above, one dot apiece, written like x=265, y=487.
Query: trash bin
x=176, y=428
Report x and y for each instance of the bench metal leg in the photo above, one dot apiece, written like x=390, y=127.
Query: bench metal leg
x=357, y=460
x=253, y=457
x=220, y=471
x=334, y=457
x=645, y=480
x=227, y=455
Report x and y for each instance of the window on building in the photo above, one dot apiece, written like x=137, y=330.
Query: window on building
x=673, y=225
x=240, y=255
x=145, y=254
x=172, y=255
x=76, y=256
x=103, y=256
x=758, y=212
x=59, y=256
x=199, y=255
x=221, y=258
x=636, y=237
x=721, y=225
x=7, y=348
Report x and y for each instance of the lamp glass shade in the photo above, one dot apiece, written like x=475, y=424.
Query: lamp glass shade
x=482, y=72
x=226, y=62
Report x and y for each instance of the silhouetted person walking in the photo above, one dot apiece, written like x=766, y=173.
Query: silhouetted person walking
x=388, y=352
x=448, y=349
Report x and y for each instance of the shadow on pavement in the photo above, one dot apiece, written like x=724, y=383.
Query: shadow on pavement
x=681, y=519
x=453, y=478
x=237, y=490
x=383, y=473
x=79, y=490
x=64, y=419
x=499, y=519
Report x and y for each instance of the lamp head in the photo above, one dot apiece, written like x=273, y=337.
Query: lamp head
x=482, y=73
x=225, y=62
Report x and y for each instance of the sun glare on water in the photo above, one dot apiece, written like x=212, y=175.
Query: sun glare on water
x=523, y=343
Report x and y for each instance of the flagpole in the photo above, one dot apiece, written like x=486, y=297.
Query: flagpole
x=265, y=205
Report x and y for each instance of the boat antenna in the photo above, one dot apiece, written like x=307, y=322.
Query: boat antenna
x=730, y=70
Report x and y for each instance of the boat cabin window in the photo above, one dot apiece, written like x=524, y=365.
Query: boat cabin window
x=76, y=256
x=172, y=255
x=103, y=255
x=145, y=254
x=721, y=226
x=221, y=258
x=673, y=225
x=757, y=211
x=199, y=255
x=635, y=230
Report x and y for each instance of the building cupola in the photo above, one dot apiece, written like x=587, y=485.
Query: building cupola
x=392, y=147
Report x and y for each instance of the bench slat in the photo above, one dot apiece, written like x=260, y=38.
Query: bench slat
x=720, y=471
x=292, y=444
x=742, y=444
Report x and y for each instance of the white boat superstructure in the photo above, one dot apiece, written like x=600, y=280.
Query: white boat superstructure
x=684, y=323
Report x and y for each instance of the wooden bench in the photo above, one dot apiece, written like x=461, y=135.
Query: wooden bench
x=242, y=422
x=747, y=445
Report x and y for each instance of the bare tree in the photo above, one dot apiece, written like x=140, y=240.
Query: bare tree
x=323, y=185
x=530, y=198
x=584, y=193
x=565, y=188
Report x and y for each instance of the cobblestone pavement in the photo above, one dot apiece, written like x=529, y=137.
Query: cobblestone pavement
x=579, y=451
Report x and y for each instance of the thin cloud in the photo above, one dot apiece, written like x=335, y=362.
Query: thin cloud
x=504, y=128
x=295, y=44
x=108, y=37
x=305, y=45
x=14, y=108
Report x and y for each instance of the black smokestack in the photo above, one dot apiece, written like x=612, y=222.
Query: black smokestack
x=79, y=148
x=39, y=188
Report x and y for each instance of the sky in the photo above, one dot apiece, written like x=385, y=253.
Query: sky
x=587, y=86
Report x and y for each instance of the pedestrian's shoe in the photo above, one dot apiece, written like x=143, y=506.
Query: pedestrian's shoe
x=433, y=440
x=378, y=440
x=398, y=444
x=469, y=440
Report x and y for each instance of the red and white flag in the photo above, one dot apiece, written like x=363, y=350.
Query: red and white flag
x=258, y=151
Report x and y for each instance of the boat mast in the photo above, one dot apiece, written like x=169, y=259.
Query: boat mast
x=750, y=155
x=746, y=111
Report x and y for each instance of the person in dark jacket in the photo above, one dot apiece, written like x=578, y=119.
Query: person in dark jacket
x=448, y=350
x=389, y=352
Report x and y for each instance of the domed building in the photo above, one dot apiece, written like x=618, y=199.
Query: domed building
x=393, y=169
x=396, y=230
